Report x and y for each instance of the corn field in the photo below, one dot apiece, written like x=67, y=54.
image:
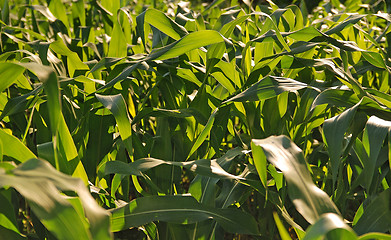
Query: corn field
x=195, y=120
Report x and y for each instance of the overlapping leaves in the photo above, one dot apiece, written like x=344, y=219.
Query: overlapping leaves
x=153, y=104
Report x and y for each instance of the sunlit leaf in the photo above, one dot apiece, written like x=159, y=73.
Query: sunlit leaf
x=40, y=183
x=332, y=226
x=116, y=104
x=9, y=73
x=266, y=88
x=309, y=200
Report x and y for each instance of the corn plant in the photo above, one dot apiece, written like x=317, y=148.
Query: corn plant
x=190, y=120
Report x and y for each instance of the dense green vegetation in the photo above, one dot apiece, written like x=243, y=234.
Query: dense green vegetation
x=182, y=120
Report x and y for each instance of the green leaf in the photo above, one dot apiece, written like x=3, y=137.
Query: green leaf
x=376, y=216
x=204, y=167
x=181, y=210
x=46, y=151
x=189, y=42
x=213, y=55
x=309, y=200
x=260, y=161
x=336, y=97
x=73, y=60
x=352, y=19
x=58, y=9
x=118, y=167
x=118, y=45
x=14, y=148
x=45, y=11
x=7, y=212
x=348, y=98
x=40, y=184
x=61, y=137
x=106, y=62
x=374, y=135
x=334, y=130
x=79, y=11
x=123, y=75
x=202, y=188
x=9, y=234
x=204, y=133
x=165, y=24
x=330, y=225
x=175, y=113
x=117, y=106
x=375, y=235
x=9, y=73
x=266, y=88
x=281, y=229
x=20, y=103
x=305, y=34
x=375, y=59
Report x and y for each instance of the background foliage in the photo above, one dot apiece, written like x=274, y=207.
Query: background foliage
x=182, y=120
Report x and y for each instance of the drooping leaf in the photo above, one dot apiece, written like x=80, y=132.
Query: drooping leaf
x=375, y=235
x=177, y=113
x=165, y=24
x=309, y=200
x=266, y=88
x=189, y=42
x=123, y=75
x=179, y=209
x=375, y=59
x=352, y=19
x=20, y=103
x=330, y=225
x=203, y=167
x=40, y=183
x=305, y=34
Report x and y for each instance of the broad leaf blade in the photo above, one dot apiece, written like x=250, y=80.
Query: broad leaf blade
x=40, y=183
x=260, y=161
x=62, y=139
x=204, y=133
x=116, y=104
x=179, y=209
x=266, y=88
x=334, y=130
x=376, y=216
x=165, y=24
x=309, y=200
x=204, y=167
x=14, y=148
x=332, y=226
x=375, y=133
x=189, y=42
x=9, y=73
